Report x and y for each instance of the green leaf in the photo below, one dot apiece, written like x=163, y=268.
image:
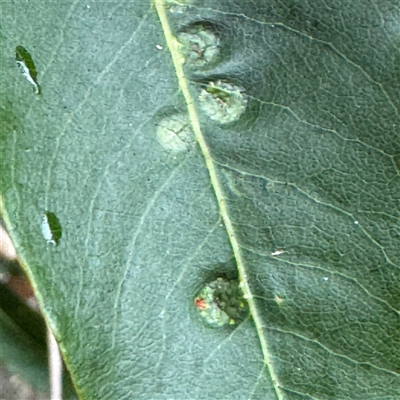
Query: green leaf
x=263, y=148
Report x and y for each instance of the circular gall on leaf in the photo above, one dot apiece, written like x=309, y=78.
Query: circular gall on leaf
x=200, y=46
x=174, y=133
x=223, y=102
x=220, y=303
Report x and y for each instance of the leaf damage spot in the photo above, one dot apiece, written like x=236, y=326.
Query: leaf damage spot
x=278, y=299
x=51, y=228
x=27, y=66
x=223, y=102
x=220, y=303
x=174, y=133
x=178, y=6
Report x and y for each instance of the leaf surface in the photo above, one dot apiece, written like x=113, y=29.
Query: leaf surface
x=265, y=147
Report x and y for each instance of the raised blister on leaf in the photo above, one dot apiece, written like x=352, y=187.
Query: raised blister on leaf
x=221, y=303
x=174, y=133
x=200, y=45
x=223, y=102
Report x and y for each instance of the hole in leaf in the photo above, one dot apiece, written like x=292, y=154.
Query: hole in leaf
x=25, y=63
x=51, y=228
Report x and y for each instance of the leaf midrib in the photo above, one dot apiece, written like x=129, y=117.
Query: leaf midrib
x=177, y=57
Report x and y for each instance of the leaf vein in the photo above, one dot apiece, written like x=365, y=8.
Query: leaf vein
x=325, y=270
x=348, y=214
x=132, y=244
x=83, y=102
x=176, y=58
x=343, y=356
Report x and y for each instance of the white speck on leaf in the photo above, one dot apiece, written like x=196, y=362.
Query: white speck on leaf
x=278, y=299
x=277, y=252
x=46, y=231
